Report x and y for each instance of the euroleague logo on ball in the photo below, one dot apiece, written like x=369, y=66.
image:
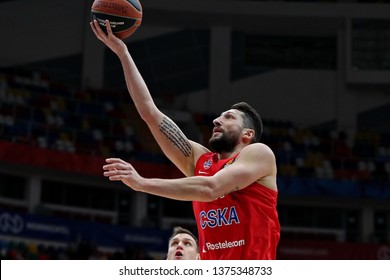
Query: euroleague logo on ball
x=125, y=16
x=113, y=24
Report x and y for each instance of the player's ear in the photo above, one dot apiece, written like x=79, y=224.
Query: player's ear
x=248, y=135
x=197, y=256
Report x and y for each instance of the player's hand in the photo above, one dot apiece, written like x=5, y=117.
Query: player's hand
x=111, y=41
x=117, y=169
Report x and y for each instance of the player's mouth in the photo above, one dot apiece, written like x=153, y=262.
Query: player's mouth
x=217, y=130
x=178, y=254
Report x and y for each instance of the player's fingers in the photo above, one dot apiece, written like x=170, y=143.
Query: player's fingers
x=116, y=160
x=117, y=166
x=110, y=172
x=108, y=27
x=97, y=30
x=110, y=160
x=112, y=166
x=92, y=24
x=115, y=177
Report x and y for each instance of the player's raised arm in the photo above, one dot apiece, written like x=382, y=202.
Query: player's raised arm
x=176, y=146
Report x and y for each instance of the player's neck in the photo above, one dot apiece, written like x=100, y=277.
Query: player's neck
x=225, y=155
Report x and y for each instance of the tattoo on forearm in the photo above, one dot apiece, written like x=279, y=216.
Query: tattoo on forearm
x=176, y=136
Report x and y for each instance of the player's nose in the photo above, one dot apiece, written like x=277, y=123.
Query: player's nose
x=217, y=121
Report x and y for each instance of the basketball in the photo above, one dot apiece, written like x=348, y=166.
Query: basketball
x=125, y=16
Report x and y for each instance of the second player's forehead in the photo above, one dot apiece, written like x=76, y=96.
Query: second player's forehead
x=182, y=237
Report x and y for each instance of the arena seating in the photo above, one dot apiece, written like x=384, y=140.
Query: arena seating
x=103, y=123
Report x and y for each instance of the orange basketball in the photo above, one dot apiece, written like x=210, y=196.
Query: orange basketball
x=125, y=16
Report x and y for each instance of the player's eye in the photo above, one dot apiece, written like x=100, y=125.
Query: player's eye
x=229, y=116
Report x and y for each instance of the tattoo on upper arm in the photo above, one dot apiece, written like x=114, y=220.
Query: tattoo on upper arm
x=176, y=136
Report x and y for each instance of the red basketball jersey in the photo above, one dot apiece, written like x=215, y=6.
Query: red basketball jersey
x=242, y=225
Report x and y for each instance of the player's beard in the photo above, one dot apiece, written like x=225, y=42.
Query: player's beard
x=223, y=143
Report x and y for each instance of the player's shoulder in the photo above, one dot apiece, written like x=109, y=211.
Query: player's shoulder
x=257, y=148
x=257, y=151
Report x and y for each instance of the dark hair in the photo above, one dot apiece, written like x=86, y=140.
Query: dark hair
x=252, y=119
x=178, y=230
